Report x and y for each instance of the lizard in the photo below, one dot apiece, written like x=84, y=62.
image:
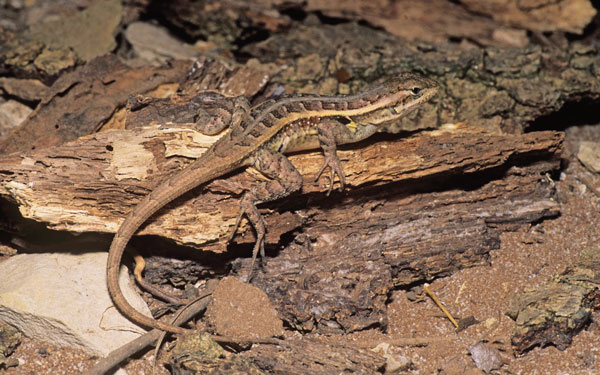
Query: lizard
x=259, y=137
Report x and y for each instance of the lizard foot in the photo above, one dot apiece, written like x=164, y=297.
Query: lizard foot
x=335, y=167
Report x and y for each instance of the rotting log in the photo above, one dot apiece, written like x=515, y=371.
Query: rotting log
x=354, y=250
x=415, y=208
x=90, y=184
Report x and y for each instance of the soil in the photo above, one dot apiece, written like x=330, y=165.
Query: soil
x=527, y=258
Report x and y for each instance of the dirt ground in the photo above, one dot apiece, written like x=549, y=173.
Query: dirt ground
x=527, y=258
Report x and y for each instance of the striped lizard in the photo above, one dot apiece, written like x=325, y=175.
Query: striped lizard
x=259, y=137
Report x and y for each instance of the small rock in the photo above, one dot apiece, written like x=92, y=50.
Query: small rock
x=589, y=155
x=242, y=310
x=62, y=299
x=485, y=357
x=89, y=33
x=394, y=362
x=12, y=113
x=9, y=340
x=154, y=44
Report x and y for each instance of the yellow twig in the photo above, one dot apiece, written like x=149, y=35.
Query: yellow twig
x=437, y=302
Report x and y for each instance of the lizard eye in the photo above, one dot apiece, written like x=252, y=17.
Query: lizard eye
x=415, y=90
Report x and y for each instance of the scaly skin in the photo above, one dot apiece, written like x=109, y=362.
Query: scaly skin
x=259, y=139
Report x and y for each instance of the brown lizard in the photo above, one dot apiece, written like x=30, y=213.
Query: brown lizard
x=259, y=137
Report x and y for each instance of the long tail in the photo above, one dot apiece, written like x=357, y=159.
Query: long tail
x=180, y=183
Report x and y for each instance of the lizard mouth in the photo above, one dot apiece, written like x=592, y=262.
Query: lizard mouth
x=401, y=109
x=409, y=105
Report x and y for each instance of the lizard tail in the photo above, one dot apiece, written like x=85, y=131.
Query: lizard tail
x=179, y=184
x=115, y=255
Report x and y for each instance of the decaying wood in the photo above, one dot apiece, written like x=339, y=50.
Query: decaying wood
x=498, y=89
x=497, y=23
x=197, y=355
x=507, y=89
x=80, y=102
x=90, y=184
x=48, y=47
x=554, y=313
x=92, y=97
x=357, y=249
x=312, y=356
x=414, y=208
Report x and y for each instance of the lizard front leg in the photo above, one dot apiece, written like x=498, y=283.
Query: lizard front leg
x=285, y=179
x=327, y=138
x=331, y=133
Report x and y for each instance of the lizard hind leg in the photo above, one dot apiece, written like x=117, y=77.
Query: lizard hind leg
x=285, y=179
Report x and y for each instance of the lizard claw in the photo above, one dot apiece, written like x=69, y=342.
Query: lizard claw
x=335, y=168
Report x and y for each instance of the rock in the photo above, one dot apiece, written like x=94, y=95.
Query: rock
x=394, y=362
x=10, y=338
x=589, y=155
x=89, y=33
x=12, y=113
x=154, y=44
x=486, y=357
x=555, y=312
x=62, y=299
x=242, y=310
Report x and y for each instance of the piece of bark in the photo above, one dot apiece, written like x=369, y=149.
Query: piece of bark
x=28, y=90
x=80, y=102
x=434, y=21
x=73, y=109
x=89, y=184
x=224, y=22
x=554, y=313
x=206, y=98
x=313, y=356
x=198, y=354
x=356, y=250
x=537, y=15
x=221, y=22
x=510, y=89
x=33, y=59
x=500, y=23
x=48, y=48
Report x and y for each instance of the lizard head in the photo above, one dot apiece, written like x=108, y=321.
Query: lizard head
x=409, y=89
x=396, y=97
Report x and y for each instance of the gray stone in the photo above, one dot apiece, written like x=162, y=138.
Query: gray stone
x=154, y=44
x=12, y=113
x=589, y=155
x=62, y=299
